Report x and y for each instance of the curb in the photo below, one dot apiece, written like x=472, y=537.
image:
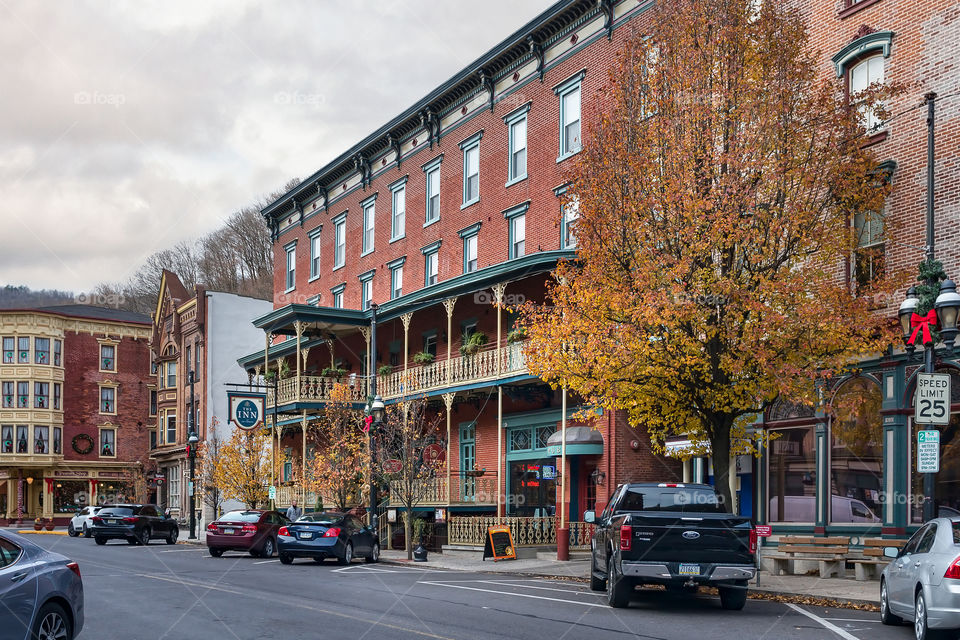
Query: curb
x=30, y=532
x=526, y=574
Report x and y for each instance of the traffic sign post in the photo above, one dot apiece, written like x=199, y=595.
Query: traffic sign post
x=932, y=401
x=928, y=451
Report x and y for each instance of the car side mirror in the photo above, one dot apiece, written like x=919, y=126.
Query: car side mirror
x=589, y=517
x=891, y=552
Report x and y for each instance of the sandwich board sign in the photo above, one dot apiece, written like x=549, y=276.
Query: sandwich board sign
x=932, y=402
x=928, y=451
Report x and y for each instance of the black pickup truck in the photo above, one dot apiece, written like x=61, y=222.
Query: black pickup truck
x=677, y=535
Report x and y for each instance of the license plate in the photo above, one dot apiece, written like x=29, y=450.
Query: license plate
x=112, y=521
x=306, y=536
x=689, y=569
x=228, y=531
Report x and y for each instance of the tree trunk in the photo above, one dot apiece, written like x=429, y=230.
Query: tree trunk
x=408, y=533
x=720, y=448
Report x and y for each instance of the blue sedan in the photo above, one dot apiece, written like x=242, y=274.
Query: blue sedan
x=328, y=534
x=41, y=592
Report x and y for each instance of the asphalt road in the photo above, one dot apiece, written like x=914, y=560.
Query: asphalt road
x=161, y=591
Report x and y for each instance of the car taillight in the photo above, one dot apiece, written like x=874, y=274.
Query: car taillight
x=753, y=540
x=96, y=519
x=953, y=571
x=73, y=566
x=332, y=532
x=131, y=519
x=283, y=531
x=626, y=534
x=212, y=526
x=249, y=528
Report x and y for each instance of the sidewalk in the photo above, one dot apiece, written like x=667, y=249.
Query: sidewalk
x=843, y=592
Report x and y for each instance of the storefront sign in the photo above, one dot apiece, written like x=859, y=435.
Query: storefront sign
x=433, y=454
x=440, y=515
x=246, y=409
x=928, y=451
x=764, y=530
x=932, y=402
x=71, y=474
x=499, y=544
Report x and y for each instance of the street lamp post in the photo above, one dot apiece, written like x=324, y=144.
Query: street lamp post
x=376, y=411
x=192, y=440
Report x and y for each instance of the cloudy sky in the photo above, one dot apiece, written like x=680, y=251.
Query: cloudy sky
x=126, y=127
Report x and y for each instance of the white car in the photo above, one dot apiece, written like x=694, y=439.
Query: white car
x=80, y=523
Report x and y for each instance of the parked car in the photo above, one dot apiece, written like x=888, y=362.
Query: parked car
x=41, y=592
x=253, y=530
x=676, y=535
x=922, y=582
x=80, y=523
x=135, y=523
x=328, y=534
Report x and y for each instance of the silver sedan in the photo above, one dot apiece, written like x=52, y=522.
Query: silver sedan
x=922, y=581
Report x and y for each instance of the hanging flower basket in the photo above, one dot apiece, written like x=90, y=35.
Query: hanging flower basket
x=475, y=473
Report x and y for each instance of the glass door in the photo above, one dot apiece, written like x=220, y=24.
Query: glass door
x=468, y=459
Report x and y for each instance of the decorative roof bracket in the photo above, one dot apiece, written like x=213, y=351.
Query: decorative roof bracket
x=536, y=50
x=362, y=164
x=486, y=83
x=393, y=143
x=606, y=6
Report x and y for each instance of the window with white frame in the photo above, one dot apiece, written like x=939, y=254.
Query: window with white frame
x=431, y=264
x=291, y=282
x=23, y=395
x=41, y=350
x=471, y=168
x=340, y=241
x=861, y=63
x=338, y=296
x=315, y=253
x=396, y=277
x=517, y=234
x=870, y=255
x=863, y=74
x=9, y=348
x=23, y=350
x=56, y=395
x=171, y=431
x=58, y=440
x=369, y=219
x=108, y=443
x=57, y=351
x=571, y=213
x=41, y=395
x=569, y=95
x=469, y=236
x=398, y=210
x=108, y=360
x=517, y=144
x=432, y=171
x=171, y=374
x=366, y=290
x=8, y=393
x=41, y=439
x=108, y=400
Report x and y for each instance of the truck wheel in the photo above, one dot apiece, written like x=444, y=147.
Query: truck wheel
x=733, y=598
x=618, y=594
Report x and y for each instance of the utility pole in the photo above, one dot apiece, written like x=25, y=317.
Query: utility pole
x=929, y=479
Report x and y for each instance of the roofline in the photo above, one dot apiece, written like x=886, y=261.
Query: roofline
x=146, y=323
x=514, y=39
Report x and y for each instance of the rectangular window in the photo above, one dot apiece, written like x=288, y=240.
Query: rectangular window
x=171, y=374
x=338, y=299
x=430, y=344
x=471, y=174
x=518, y=150
x=23, y=351
x=153, y=439
x=107, y=357
x=23, y=444
x=339, y=242
x=470, y=254
x=7, y=395
x=188, y=360
x=41, y=439
x=433, y=194
x=9, y=348
x=369, y=217
x=57, y=349
x=108, y=440
x=153, y=402
x=862, y=75
x=431, y=268
x=870, y=254
x=171, y=436
x=58, y=440
x=6, y=435
x=291, y=267
x=517, y=236
x=791, y=457
x=41, y=395
x=23, y=395
x=396, y=282
x=196, y=359
x=56, y=395
x=41, y=350
x=108, y=398
x=366, y=293
x=571, y=212
x=569, y=94
x=314, y=256
x=398, y=219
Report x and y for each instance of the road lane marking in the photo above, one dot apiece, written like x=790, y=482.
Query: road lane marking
x=823, y=622
x=530, y=586
x=518, y=595
x=265, y=561
x=853, y=620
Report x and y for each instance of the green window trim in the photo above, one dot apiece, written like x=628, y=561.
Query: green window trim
x=881, y=41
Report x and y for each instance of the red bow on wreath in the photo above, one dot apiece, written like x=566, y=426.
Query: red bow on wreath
x=919, y=322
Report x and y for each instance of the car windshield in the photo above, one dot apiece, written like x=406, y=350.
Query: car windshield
x=116, y=511
x=689, y=499
x=325, y=517
x=241, y=516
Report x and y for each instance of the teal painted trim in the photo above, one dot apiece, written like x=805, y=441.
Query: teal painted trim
x=562, y=189
x=432, y=164
x=472, y=230
x=517, y=114
x=577, y=450
x=878, y=40
x=366, y=275
x=366, y=202
x=530, y=418
x=571, y=83
x=285, y=348
x=516, y=210
x=472, y=141
x=433, y=247
x=397, y=184
x=399, y=262
x=281, y=320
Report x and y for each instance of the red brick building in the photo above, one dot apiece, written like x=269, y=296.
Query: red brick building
x=454, y=205
x=74, y=411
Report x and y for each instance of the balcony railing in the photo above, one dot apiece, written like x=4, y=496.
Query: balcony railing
x=480, y=367
x=527, y=532
x=435, y=493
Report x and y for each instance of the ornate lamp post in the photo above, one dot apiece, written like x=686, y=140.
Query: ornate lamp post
x=192, y=441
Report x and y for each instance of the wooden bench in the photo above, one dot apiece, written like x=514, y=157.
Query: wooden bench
x=829, y=552
x=869, y=566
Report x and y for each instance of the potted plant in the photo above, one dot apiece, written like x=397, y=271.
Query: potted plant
x=473, y=344
x=283, y=369
x=333, y=372
x=517, y=335
x=421, y=532
x=476, y=472
x=49, y=524
x=384, y=370
x=424, y=357
x=37, y=524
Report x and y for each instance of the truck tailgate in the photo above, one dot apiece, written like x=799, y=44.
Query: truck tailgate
x=702, y=537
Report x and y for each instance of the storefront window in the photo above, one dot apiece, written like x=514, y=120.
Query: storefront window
x=856, y=456
x=70, y=495
x=533, y=487
x=42, y=444
x=6, y=436
x=23, y=444
x=793, y=479
x=947, y=489
x=108, y=492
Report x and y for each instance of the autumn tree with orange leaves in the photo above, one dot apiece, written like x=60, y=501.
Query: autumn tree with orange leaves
x=338, y=468
x=241, y=470
x=715, y=196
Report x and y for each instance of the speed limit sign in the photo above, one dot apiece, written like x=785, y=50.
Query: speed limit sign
x=932, y=402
